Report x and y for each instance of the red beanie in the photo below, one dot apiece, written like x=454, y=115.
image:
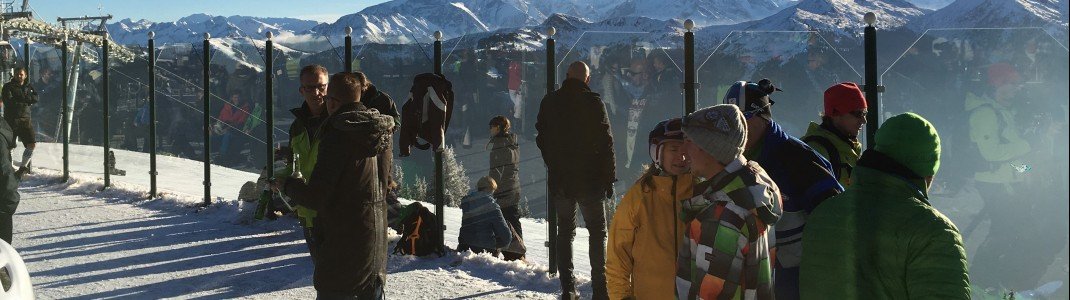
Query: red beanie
x=844, y=98
x=1002, y=74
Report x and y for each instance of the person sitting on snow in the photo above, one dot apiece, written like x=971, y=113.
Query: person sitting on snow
x=483, y=228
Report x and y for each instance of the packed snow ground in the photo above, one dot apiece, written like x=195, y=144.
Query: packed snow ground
x=80, y=242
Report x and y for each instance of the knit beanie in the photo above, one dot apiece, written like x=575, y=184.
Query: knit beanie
x=718, y=130
x=1002, y=74
x=843, y=98
x=911, y=141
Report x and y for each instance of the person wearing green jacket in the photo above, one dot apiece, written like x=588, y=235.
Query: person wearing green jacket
x=304, y=136
x=1001, y=181
x=881, y=238
x=836, y=138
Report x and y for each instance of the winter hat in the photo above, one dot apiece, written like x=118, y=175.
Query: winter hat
x=667, y=130
x=752, y=98
x=911, y=141
x=843, y=98
x=487, y=184
x=1002, y=74
x=719, y=130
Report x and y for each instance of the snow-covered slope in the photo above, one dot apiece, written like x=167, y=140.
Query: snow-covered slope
x=80, y=242
x=931, y=4
x=997, y=13
x=703, y=12
x=403, y=21
x=840, y=17
x=192, y=28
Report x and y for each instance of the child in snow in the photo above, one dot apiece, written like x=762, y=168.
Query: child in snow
x=483, y=228
x=645, y=231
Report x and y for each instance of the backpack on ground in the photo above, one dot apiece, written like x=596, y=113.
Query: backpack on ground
x=426, y=115
x=419, y=228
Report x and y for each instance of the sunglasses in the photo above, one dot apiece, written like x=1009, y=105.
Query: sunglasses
x=861, y=114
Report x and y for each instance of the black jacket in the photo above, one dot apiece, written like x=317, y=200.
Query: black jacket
x=350, y=229
x=375, y=99
x=505, y=168
x=575, y=139
x=305, y=122
x=9, y=186
x=17, y=100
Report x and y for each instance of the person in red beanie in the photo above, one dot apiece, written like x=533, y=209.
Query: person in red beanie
x=836, y=138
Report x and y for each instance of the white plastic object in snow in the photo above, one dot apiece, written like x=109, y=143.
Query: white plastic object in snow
x=20, y=288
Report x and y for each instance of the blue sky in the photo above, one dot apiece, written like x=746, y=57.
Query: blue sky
x=171, y=10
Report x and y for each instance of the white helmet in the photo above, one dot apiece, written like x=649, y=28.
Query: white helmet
x=11, y=263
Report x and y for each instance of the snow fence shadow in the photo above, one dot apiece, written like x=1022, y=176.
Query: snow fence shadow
x=212, y=252
x=184, y=250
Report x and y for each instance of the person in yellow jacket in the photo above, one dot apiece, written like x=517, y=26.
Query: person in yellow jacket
x=645, y=231
x=836, y=138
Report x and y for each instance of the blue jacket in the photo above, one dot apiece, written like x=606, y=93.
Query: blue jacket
x=805, y=180
x=482, y=223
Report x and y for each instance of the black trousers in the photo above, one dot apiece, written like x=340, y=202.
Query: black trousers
x=594, y=216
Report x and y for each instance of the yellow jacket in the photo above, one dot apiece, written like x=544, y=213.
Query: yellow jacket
x=643, y=239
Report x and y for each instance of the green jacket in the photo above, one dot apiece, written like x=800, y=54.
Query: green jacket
x=993, y=130
x=256, y=117
x=304, y=141
x=847, y=152
x=881, y=239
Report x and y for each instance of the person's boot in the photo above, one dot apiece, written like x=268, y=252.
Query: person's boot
x=21, y=172
x=570, y=295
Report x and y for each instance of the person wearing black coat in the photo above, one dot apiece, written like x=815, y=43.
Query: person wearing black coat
x=9, y=185
x=345, y=191
x=577, y=146
x=16, y=98
x=373, y=98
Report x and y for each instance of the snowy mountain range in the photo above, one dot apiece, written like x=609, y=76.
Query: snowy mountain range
x=192, y=28
x=1048, y=14
x=523, y=23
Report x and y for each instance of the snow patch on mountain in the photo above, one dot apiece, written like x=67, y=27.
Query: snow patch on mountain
x=703, y=12
x=192, y=28
x=1048, y=14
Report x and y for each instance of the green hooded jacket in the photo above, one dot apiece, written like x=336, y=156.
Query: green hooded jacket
x=881, y=239
x=304, y=141
x=993, y=130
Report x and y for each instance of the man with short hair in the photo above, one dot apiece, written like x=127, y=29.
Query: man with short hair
x=17, y=97
x=304, y=137
x=881, y=238
x=345, y=191
x=726, y=253
x=804, y=178
x=836, y=138
x=577, y=147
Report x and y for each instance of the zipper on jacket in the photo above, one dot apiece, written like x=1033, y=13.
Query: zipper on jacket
x=675, y=219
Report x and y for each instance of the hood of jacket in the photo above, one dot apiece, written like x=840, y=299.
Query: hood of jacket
x=368, y=127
